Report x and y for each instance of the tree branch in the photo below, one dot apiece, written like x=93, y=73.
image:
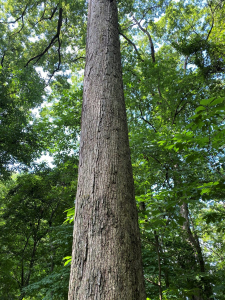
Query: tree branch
x=130, y=42
x=185, y=63
x=149, y=123
x=80, y=57
x=149, y=38
x=59, y=62
x=54, y=39
x=179, y=110
x=212, y=13
x=49, y=18
x=21, y=17
x=152, y=282
x=2, y=60
x=159, y=263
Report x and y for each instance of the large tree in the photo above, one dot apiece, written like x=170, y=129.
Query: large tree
x=106, y=259
x=173, y=73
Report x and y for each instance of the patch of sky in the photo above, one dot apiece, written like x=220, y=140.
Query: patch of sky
x=34, y=38
x=47, y=159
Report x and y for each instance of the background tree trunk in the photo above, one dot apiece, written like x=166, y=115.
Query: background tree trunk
x=106, y=258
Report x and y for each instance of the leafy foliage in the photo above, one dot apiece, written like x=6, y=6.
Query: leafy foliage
x=33, y=237
x=21, y=90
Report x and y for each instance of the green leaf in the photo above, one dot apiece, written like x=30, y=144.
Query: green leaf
x=68, y=260
x=69, y=215
x=206, y=101
x=200, y=108
x=217, y=101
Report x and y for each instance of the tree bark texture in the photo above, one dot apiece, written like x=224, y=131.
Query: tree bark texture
x=106, y=257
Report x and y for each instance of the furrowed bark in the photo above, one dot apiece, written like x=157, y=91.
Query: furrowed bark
x=106, y=257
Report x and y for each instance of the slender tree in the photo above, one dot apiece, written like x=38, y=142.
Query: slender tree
x=106, y=258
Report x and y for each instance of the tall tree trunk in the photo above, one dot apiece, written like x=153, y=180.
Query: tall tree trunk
x=106, y=258
x=159, y=264
x=204, y=291
x=184, y=211
x=194, y=241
